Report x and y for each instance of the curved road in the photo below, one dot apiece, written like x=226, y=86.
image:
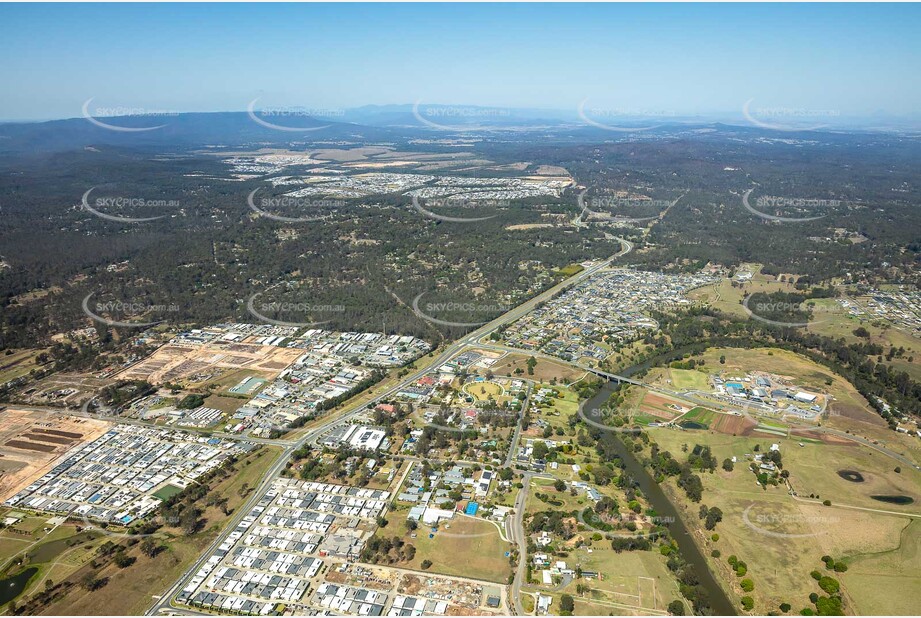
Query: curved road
x=164, y=604
x=515, y=526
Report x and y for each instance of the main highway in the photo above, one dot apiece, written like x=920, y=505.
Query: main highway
x=474, y=339
x=164, y=602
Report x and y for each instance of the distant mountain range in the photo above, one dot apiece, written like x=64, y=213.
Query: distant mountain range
x=419, y=114
x=370, y=123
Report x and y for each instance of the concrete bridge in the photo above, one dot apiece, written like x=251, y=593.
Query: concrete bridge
x=613, y=376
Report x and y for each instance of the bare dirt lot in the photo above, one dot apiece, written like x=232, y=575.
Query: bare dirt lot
x=66, y=389
x=854, y=411
x=364, y=576
x=660, y=406
x=733, y=425
x=174, y=363
x=465, y=597
x=31, y=442
x=551, y=170
x=528, y=226
x=821, y=437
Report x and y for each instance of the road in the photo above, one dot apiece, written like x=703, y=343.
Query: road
x=164, y=604
x=516, y=533
x=513, y=446
x=691, y=396
x=796, y=423
x=516, y=312
x=134, y=421
x=475, y=339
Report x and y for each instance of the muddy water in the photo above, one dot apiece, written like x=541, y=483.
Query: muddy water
x=719, y=602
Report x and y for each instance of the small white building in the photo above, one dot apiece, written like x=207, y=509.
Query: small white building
x=433, y=516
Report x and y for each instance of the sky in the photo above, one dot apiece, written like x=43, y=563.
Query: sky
x=851, y=59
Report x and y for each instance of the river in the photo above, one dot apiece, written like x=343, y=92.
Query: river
x=664, y=357
x=719, y=602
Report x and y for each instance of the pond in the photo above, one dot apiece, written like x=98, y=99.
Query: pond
x=851, y=475
x=12, y=587
x=894, y=499
x=48, y=552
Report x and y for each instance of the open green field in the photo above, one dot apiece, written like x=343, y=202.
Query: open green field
x=884, y=578
x=814, y=470
x=30, y=522
x=483, y=391
x=775, y=431
x=631, y=582
x=63, y=538
x=637, y=578
x=829, y=318
x=772, y=360
x=17, y=364
x=565, y=404
x=469, y=548
x=555, y=500
x=167, y=491
x=569, y=271
x=55, y=554
x=782, y=539
x=728, y=299
x=464, y=547
x=699, y=415
x=772, y=424
x=10, y=545
x=227, y=405
x=641, y=418
x=544, y=370
x=689, y=379
x=814, y=467
x=527, y=603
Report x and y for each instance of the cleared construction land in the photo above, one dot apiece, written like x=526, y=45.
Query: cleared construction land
x=178, y=363
x=32, y=441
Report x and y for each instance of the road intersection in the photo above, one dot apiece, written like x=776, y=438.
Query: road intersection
x=164, y=603
x=476, y=339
